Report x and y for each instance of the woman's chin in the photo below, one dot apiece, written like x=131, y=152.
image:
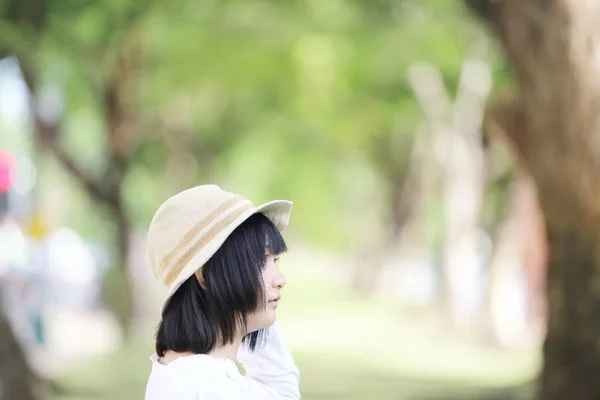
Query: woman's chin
x=262, y=321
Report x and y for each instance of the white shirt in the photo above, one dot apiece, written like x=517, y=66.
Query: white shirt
x=270, y=374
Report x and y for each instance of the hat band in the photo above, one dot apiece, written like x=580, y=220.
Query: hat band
x=203, y=241
x=197, y=229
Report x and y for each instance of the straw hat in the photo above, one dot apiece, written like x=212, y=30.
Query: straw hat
x=190, y=227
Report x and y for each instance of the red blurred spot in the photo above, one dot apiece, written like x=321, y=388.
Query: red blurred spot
x=8, y=170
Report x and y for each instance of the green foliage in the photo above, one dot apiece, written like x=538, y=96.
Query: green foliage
x=271, y=99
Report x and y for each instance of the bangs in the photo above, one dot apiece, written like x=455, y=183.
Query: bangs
x=273, y=240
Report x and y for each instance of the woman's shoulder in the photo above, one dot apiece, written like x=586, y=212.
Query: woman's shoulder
x=203, y=376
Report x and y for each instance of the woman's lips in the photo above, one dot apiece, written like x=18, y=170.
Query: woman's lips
x=275, y=302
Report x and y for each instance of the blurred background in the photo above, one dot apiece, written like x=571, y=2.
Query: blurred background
x=417, y=245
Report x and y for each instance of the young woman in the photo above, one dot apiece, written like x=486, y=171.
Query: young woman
x=217, y=254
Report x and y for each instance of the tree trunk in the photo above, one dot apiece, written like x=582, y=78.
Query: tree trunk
x=457, y=137
x=555, y=125
x=535, y=259
x=368, y=280
x=106, y=190
x=127, y=292
x=500, y=323
x=119, y=291
x=572, y=358
x=519, y=246
x=17, y=380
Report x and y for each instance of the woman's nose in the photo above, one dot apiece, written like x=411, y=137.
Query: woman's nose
x=279, y=280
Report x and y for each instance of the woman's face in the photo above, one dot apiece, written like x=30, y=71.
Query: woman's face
x=273, y=281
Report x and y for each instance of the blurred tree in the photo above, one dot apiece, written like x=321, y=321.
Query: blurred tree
x=519, y=241
x=456, y=137
x=18, y=381
x=553, y=122
x=306, y=100
x=105, y=61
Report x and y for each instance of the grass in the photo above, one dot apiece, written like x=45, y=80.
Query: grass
x=346, y=347
x=323, y=377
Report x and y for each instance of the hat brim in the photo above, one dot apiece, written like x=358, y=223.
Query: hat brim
x=277, y=211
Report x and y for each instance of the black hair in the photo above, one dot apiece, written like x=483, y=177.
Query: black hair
x=196, y=317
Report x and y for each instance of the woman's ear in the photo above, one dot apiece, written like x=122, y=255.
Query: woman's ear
x=200, y=277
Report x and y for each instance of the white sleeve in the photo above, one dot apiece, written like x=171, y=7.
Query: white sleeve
x=271, y=369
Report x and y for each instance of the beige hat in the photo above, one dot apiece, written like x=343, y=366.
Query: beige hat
x=189, y=228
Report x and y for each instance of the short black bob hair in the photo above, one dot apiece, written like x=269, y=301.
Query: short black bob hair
x=194, y=316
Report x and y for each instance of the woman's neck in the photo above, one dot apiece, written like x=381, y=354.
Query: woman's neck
x=228, y=351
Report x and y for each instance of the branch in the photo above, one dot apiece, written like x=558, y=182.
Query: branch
x=506, y=122
x=484, y=9
x=48, y=133
x=473, y=90
x=28, y=75
x=113, y=114
x=433, y=97
x=96, y=190
x=114, y=105
x=428, y=85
